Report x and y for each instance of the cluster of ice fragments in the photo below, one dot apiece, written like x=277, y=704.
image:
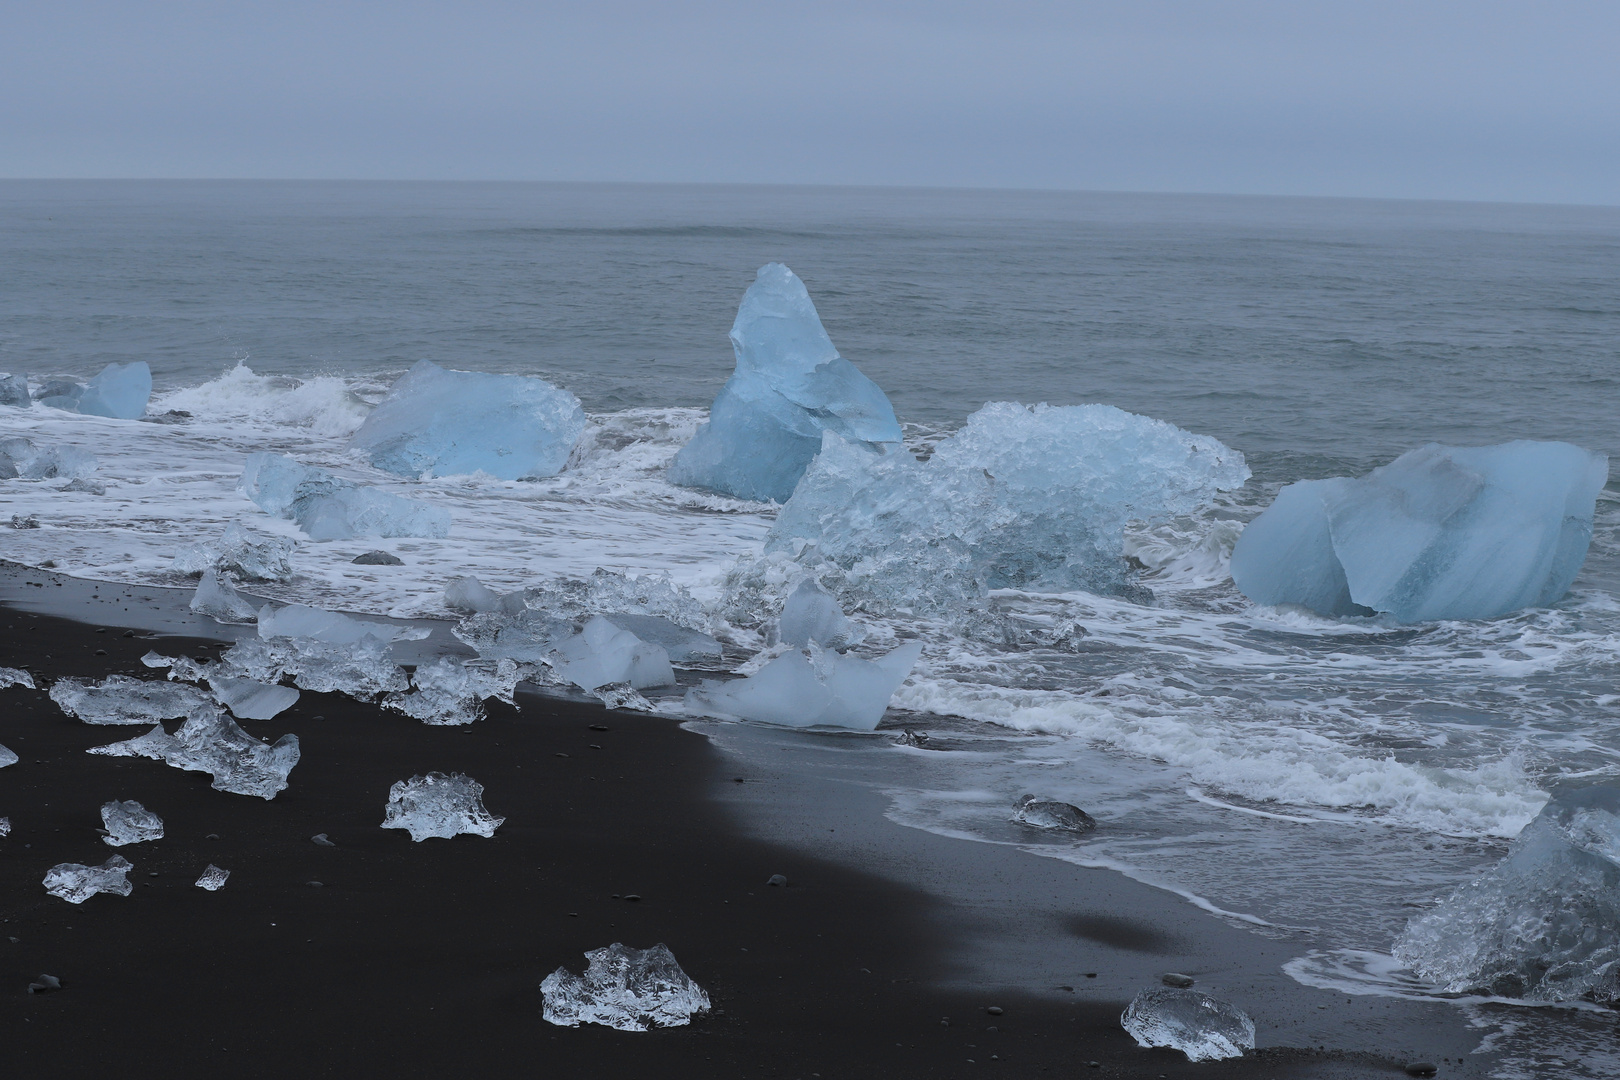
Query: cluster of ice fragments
x=211, y=742
x=120, y=391
x=448, y=691
x=267, y=559
x=789, y=387
x=1198, y=1025
x=128, y=822
x=623, y=988
x=23, y=458
x=441, y=423
x=327, y=507
x=1441, y=532
x=76, y=883
x=439, y=804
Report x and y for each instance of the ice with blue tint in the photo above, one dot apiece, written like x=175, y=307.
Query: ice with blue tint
x=436, y=422
x=790, y=385
x=211, y=742
x=217, y=598
x=14, y=391
x=331, y=627
x=1439, y=533
x=329, y=508
x=682, y=644
x=251, y=699
x=22, y=458
x=816, y=689
x=268, y=559
x=812, y=615
x=119, y=391
x=602, y=653
x=1033, y=497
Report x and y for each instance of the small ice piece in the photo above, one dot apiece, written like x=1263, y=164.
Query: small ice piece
x=86, y=485
x=213, y=878
x=128, y=822
x=217, y=598
x=14, y=391
x=790, y=385
x=439, y=805
x=8, y=756
x=183, y=668
x=1196, y=1024
x=602, y=653
x=822, y=689
x=60, y=394
x=5, y=826
x=10, y=676
x=621, y=695
x=812, y=615
x=119, y=699
x=436, y=422
x=448, y=691
x=76, y=883
x=1441, y=532
x=1051, y=814
x=469, y=595
x=300, y=621
x=250, y=699
x=211, y=742
x=261, y=560
x=623, y=988
x=329, y=508
x=155, y=744
x=119, y=391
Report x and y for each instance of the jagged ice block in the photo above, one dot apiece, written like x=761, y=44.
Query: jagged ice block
x=439, y=805
x=119, y=391
x=810, y=614
x=128, y=822
x=822, y=689
x=250, y=699
x=119, y=699
x=1202, y=1027
x=213, y=879
x=329, y=508
x=217, y=598
x=211, y=742
x=623, y=988
x=76, y=883
x=263, y=560
x=602, y=653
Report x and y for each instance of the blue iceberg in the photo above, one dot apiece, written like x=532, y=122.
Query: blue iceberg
x=445, y=423
x=119, y=391
x=790, y=386
x=1439, y=533
x=329, y=508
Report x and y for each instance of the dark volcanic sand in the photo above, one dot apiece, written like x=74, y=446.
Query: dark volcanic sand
x=425, y=959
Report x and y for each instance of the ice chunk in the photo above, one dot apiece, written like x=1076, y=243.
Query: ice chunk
x=469, y=595
x=812, y=615
x=211, y=742
x=447, y=691
x=621, y=695
x=790, y=385
x=683, y=646
x=602, y=653
x=442, y=423
x=607, y=592
x=1439, y=533
x=623, y=988
x=180, y=667
x=822, y=689
x=76, y=883
x=301, y=621
x=119, y=390
x=20, y=457
x=329, y=508
x=361, y=669
x=119, y=699
x=217, y=598
x=60, y=394
x=8, y=757
x=155, y=744
x=1544, y=923
x=263, y=560
x=10, y=676
x=14, y=391
x=213, y=878
x=250, y=699
x=128, y=822
x=5, y=826
x=439, y=805
x=526, y=637
x=89, y=487
x=1198, y=1025
x=1051, y=814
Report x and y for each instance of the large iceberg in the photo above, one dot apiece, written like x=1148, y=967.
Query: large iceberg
x=790, y=385
x=442, y=423
x=329, y=508
x=821, y=689
x=119, y=391
x=1544, y=923
x=623, y=988
x=1441, y=532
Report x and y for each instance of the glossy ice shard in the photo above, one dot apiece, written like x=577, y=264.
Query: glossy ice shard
x=602, y=653
x=790, y=385
x=250, y=699
x=608, y=592
x=362, y=669
x=14, y=391
x=1439, y=533
x=119, y=391
x=1198, y=1025
x=8, y=757
x=217, y=598
x=211, y=742
x=76, y=883
x=470, y=596
x=329, y=508
x=20, y=457
x=436, y=422
x=10, y=676
x=439, y=805
x=213, y=879
x=812, y=615
x=128, y=822
x=623, y=988
x=525, y=637
x=449, y=691
x=821, y=689
x=331, y=627
x=119, y=699
x=262, y=559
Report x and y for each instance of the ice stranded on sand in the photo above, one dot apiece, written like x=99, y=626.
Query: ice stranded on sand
x=10, y=676
x=129, y=822
x=441, y=805
x=217, y=598
x=211, y=742
x=1198, y=1025
x=250, y=699
x=815, y=689
x=119, y=699
x=76, y=883
x=624, y=988
x=255, y=560
x=213, y=878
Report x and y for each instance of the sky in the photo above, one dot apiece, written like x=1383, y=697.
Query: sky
x=1476, y=100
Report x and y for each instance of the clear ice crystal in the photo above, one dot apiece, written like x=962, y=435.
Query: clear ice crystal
x=450, y=691
x=1051, y=814
x=211, y=742
x=361, y=669
x=183, y=668
x=525, y=637
x=250, y=699
x=76, y=883
x=810, y=614
x=469, y=596
x=608, y=592
x=623, y=988
x=10, y=676
x=790, y=385
x=217, y=598
x=128, y=822
x=622, y=696
x=120, y=391
x=8, y=756
x=813, y=688
x=681, y=644
x=602, y=653
x=439, y=804
x=213, y=879
x=436, y=422
x=20, y=457
x=268, y=559
x=119, y=699
x=330, y=627
x=1202, y=1027
x=329, y=508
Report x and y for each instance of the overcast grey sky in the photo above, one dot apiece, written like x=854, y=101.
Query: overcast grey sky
x=1443, y=99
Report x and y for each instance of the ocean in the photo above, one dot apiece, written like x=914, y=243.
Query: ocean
x=1313, y=779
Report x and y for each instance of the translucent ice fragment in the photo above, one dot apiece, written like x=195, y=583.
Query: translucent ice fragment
x=1198, y=1025
x=5, y=826
x=525, y=637
x=602, y=653
x=329, y=508
x=447, y=690
x=822, y=689
x=469, y=595
x=623, y=988
x=211, y=742
x=119, y=699
x=155, y=744
x=183, y=668
x=129, y=822
x=436, y=422
x=362, y=669
x=14, y=391
x=683, y=645
x=622, y=696
x=812, y=615
x=7, y=757
x=10, y=676
x=213, y=878
x=439, y=805
x=300, y=621
x=20, y=457
x=254, y=560
x=217, y=598
x=76, y=883
x=1441, y=532
x=790, y=385
x=119, y=390
x=1051, y=814
x=607, y=592
x=250, y=699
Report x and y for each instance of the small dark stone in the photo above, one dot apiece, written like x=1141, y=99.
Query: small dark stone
x=212, y=836
x=992, y=1028
x=378, y=558
x=599, y=727
x=101, y=629
x=151, y=873
x=127, y=633
x=320, y=838
x=1093, y=1064
x=945, y=1023
x=45, y=984
x=778, y=880
x=315, y=884
x=595, y=747
x=1067, y=989
x=101, y=652
x=1091, y=974
x=1421, y=1068
x=1177, y=979
x=615, y=896
x=562, y=755
x=1051, y=814
x=632, y=897
x=994, y=1010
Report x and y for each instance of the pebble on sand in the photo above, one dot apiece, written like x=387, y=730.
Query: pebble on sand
x=777, y=880
x=1177, y=979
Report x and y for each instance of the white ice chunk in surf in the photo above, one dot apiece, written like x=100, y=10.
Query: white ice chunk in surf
x=217, y=598
x=682, y=644
x=211, y=742
x=1202, y=1027
x=301, y=621
x=439, y=805
x=790, y=385
x=119, y=699
x=254, y=560
x=822, y=689
x=329, y=508
x=812, y=615
x=119, y=391
x=436, y=422
x=20, y=457
x=14, y=391
x=250, y=699
x=76, y=883
x=623, y=988
x=602, y=653
x=128, y=822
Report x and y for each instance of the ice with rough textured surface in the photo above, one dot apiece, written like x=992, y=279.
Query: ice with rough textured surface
x=76, y=883
x=180, y=667
x=682, y=645
x=20, y=457
x=213, y=878
x=250, y=699
x=1198, y=1025
x=526, y=637
x=1544, y=923
x=5, y=826
x=301, y=621
x=10, y=676
x=623, y=988
x=470, y=596
x=812, y=615
x=436, y=422
x=622, y=696
x=211, y=742
x=14, y=391
x=128, y=822
x=821, y=689
x=329, y=508
x=8, y=756
x=119, y=391
x=602, y=653
x=1021, y=497
x=607, y=592
x=361, y=669
x=449, y=691
x=790, y=385
x=1441, y=532
x=1051, y=814
x=119, y=699
x=255, y=560
x=439, y=805
x=217, y=598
